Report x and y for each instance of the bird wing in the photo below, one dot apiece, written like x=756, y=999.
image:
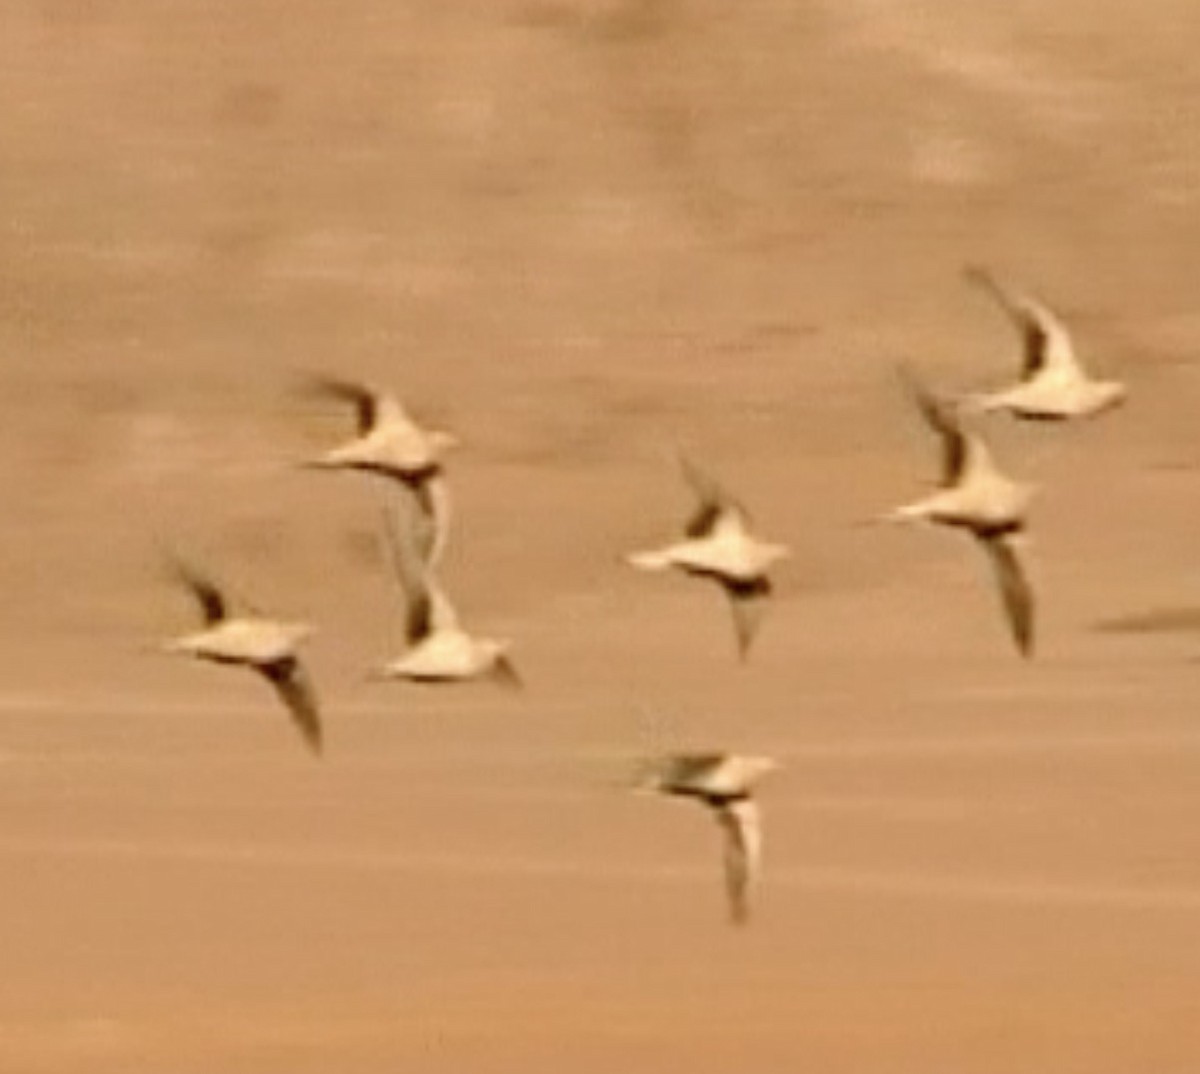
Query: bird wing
x=747, y=603
x=295, y=689
x=428, y=607
x=504, y=671
x=1046, y=341
x=363, y=399
x=1015, y=590
x=963, y=453
x=442, y=615
x=941, y=418
x=433, y=522
x=712, y=501
x=739, y=820
x=213, y=605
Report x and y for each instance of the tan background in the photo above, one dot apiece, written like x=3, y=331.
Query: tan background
x=576, y=232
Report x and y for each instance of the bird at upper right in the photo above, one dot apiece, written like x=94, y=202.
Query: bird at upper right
x=975, y=496
x=1053, y=385
x=719, y=545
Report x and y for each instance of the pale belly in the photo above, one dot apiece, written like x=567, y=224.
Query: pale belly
x=732, y=560
x=441, y=658
x=997, y=507
x=1055, y=400
x=246, y=641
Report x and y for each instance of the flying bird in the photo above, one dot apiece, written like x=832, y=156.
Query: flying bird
x=439, y=649
x=719, y=546
x=1053, y=385
x=976, y=497
x=391, y=444
x=724, y=782
x=267, y=646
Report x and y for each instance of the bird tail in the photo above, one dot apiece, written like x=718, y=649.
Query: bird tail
x=338, y=458
x=655, y=560
x=909, y=512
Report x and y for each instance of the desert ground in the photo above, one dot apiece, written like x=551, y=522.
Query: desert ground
x=578, y=233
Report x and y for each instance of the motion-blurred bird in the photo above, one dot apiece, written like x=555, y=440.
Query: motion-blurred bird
x=439, y=649
x=975, y=496
x=718, y=545
x=1054, y=386
x=391, y=444
x=724, y=782
x=267, y=646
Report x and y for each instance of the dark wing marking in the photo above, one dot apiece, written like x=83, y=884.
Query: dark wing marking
x=747, y=602
x=941, y=418
x=295, y=689
x=365, y=401
x=1024, y=314
x=212, y=601
x=683, y=772
x=504, y=671
x=712, y=499
x=1015, y=590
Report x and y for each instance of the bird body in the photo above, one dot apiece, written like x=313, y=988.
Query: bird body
x=1053, y=398
x=449, y=656
x=245, y=640
x=729, y=553
x=985, y=504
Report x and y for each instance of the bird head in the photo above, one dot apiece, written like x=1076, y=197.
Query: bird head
x=754, y=768
x=441, y=441
x=1110, y=394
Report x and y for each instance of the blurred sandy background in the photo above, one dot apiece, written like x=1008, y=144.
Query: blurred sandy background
x=576, y=232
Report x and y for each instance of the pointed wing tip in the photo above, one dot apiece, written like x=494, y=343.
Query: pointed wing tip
x=915, y=385
x=1016, y=593
x=506, y=674
x=292, y=683
x=316, y=745
x=205, y=591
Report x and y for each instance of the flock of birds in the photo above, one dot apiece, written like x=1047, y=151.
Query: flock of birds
x=717, y=544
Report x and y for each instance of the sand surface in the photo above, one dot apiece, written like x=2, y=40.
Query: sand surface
x=577, y=232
